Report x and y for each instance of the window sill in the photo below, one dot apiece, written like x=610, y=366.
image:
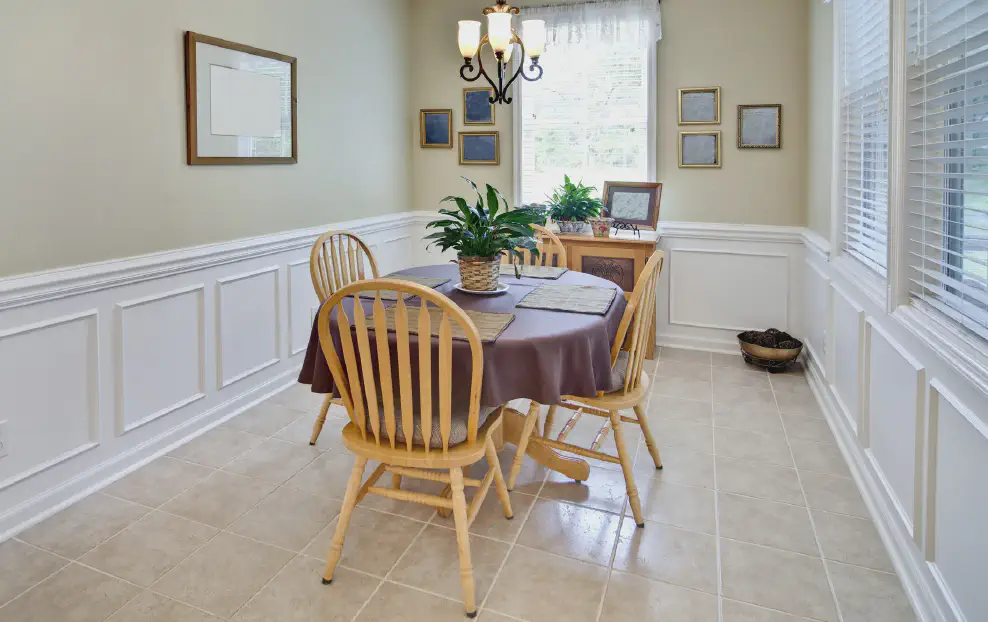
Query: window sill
x=870, y=284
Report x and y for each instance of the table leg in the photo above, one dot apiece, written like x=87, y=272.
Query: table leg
x=574, y=468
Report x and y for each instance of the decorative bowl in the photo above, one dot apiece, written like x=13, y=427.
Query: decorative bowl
x=764, y=348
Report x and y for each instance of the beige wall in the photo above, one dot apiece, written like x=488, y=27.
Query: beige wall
x=93, y=162
x=821, y=95
x=755, y=50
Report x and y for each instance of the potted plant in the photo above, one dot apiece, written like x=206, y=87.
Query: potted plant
x=571, y=205
x=482, y=234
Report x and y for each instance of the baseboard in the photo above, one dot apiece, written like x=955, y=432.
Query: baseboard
x=725, y=346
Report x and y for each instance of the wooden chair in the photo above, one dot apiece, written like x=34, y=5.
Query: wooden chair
x=433, y=438
x=336, y=260
x=629, y=389
x=551, y=250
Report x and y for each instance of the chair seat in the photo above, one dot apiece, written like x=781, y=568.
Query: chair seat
x=619, y=372
x=457, y=431
x=618, y=399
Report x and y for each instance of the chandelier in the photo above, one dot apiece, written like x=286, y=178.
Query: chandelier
x=501, y=38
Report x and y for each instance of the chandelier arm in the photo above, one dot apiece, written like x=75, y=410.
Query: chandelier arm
x=521, y=66
x=537, y=76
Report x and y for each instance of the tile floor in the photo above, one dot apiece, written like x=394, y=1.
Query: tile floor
x=753, y=519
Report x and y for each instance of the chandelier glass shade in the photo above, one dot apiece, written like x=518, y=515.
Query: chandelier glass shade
x=501, y=37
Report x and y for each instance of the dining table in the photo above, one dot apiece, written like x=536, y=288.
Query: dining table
x=541, y=356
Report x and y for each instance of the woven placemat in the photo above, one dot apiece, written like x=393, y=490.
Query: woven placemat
x=489, y=325
x=570, y=298
x=534, y=272
x=388, y=294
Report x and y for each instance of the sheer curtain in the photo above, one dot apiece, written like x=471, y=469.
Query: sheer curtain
x=589, y=116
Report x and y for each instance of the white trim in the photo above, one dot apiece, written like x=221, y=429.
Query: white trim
x=897, y=240
x=221, y=381
x=724, y=231
x=816, y=243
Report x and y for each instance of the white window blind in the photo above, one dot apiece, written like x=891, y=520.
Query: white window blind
x=864, y=126
x=588, y=116
x=948, y=158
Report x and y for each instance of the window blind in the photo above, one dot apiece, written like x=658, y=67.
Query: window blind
x=864, y=126
x=948, y=158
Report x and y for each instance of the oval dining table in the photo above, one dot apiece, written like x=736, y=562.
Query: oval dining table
x=542, y=355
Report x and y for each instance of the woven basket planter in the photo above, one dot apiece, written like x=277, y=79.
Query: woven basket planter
x=480, y=274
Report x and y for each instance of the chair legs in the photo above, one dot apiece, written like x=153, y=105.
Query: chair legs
x=549, y=420
x=653, y=449
x=321, y=419
x=526, y=433
x=349, y=502
x=463, y=540
x=499, y=485
x=626, y=467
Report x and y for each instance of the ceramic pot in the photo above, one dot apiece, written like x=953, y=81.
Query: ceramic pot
x=601, y=226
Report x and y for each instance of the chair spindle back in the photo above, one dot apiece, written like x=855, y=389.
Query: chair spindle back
x=337, y=259
x=551, y=250
x=636, y=324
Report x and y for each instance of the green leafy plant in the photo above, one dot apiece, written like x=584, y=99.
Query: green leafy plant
x=484, y=230
x=573, y=202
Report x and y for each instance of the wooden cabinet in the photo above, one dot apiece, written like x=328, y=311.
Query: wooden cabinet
x=619, y=259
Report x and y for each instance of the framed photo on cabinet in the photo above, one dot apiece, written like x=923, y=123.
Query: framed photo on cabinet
x=633, y=202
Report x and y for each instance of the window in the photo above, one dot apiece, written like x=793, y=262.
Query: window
x=864, y=126
x=589, y=116
x=947, y=116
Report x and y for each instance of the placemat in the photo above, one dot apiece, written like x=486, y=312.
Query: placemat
x=534, y=272
x=387, y=294
x=489, y=325
x=570, y=298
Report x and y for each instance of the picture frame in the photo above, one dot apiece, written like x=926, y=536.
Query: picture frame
x=241, y=103
x=760, y=126
x=699, y=105
x=480, y=148
x=436, y=128
x=633, y=202
x=477, y=107
x=700, y=149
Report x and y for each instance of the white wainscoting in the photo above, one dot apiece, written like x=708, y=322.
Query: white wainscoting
x=105, y=366
x=913, y=427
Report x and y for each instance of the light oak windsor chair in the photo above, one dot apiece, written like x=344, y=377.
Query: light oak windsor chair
x=432, y=438
x=629, y=389
x=551, y=250
x=336, y=260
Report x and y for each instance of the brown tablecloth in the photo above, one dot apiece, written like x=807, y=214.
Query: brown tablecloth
x=542, y=355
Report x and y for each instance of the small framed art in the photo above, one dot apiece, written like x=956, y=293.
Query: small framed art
x=436, y=128
x=760, y=126
x=477, y=106
x=699, y=105
x=633, y=202
x=699, y=149
x=480, y=148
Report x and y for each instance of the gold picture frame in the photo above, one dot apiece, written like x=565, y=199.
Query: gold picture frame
x=424, y=134
x=754, y=140
x=717, y=163
x=489, y=92
x=714, y=92
x=469, y=159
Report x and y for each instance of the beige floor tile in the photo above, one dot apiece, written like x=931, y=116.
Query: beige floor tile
x=374, y=541
x=683, y=370
x=735, y=611
x=833, y=493
x=688, y=507
x=22, y=566
x=665, y=407
x=433, y=563
x=756, y=479
x=530, y=477
x=327, y=475
x=274, y=461
x=769, y=523
x=492, y=616
x=159, y=481
x=868, y=596
x=297, y=594
x=632, y=598
x=682, y=388
x=265, y=419
x=789, y=582
x=407, y=508
x=223, y=575
x=820, y=457
x=735, y=361
x=852, y=540
x=300, y=432
x=300, y=397
x=752, y=378
x=789, y=383
x=219, y=499
x=604, y=490
x=79, y=528
x=753, y=446
x=679, y=466
x=149, y=548
x=566, y=590
x=396, y=602
x=287, y=518
x=801, y=403
x=668, y=554
x=217, y=447
x=680, y=354
x=808, y=429
x=749, y=418
x=73, y=594
x=685, y=434
x=151, y=607
x=571, y=531
x=744, y=396
x=585, y=431
x=490, y=521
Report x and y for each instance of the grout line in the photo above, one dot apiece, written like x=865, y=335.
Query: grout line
x=717, y=547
